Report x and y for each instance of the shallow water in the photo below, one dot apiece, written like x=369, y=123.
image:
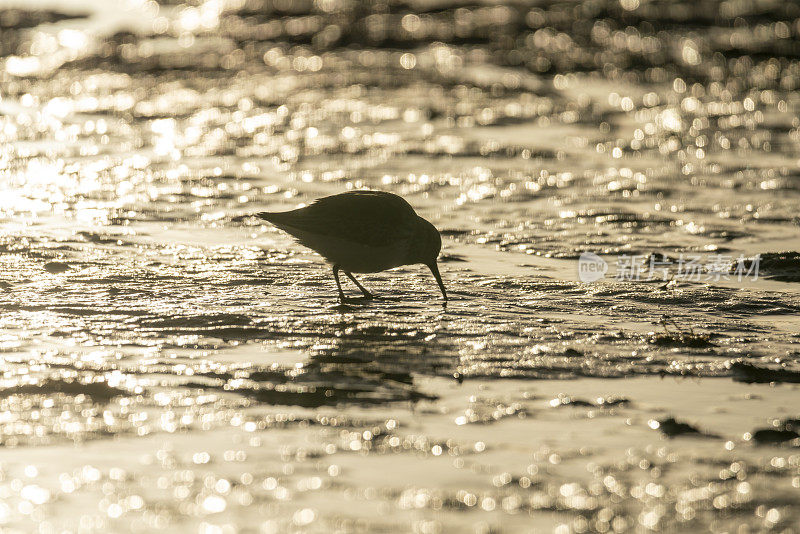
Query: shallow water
x=199, y=359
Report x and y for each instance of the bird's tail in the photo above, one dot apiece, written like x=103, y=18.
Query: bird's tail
x=275, y=218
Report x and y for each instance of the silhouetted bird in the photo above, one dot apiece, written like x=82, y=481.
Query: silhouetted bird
x=363, y=232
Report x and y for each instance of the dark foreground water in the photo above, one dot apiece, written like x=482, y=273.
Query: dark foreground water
x=168, y=363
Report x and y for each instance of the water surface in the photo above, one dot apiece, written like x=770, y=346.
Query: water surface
x=169, y=363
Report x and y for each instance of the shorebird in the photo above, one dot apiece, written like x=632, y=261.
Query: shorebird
x=363, y=232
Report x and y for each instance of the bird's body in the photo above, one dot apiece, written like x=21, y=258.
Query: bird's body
x=363, y=232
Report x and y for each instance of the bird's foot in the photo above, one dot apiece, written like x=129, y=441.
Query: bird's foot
x=354, y=301
x=360, y=300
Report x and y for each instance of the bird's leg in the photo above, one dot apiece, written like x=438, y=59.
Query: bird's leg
x=338, y=284
x=367, y=294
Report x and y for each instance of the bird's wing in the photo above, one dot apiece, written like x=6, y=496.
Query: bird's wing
x=370, y=218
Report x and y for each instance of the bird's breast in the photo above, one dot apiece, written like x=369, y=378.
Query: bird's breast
x=353, y=256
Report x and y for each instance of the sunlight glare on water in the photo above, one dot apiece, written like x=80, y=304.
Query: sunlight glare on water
x=170, y=363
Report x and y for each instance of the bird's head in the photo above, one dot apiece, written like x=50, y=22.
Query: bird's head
x=426, y=245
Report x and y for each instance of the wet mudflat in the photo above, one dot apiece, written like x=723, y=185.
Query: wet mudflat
x=168, y=363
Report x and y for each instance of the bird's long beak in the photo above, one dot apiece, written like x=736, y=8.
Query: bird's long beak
x=435, y=270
